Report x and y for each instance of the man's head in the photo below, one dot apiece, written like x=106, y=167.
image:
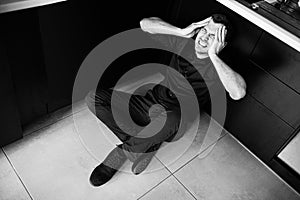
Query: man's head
x=206, y=34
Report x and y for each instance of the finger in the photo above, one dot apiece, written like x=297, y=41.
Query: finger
x=223, y=34
x=207, y=19
x=218, y=34
x=225, y=31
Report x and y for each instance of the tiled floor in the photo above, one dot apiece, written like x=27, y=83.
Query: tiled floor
x=55, y=158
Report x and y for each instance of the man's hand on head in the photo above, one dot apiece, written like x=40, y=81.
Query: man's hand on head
x=190, y=31
x=219, y=41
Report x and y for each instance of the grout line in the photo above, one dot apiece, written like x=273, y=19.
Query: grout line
x=171, y=175
x=160, y=181
x=194, y=156
x=178, y=180
x=155, y=186
x=185, y=187
x=264, y=164
x=17, y=174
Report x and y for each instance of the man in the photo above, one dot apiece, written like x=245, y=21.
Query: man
x=210, y=40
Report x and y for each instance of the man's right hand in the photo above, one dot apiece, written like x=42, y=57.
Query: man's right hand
x=190, y=31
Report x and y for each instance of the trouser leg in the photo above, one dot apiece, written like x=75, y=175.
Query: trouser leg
x=136, y=146
x=100, y=104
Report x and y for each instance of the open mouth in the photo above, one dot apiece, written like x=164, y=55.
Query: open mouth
x=202, y=43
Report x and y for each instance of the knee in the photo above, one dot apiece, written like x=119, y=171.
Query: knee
x=98, y=101
x=90, y=101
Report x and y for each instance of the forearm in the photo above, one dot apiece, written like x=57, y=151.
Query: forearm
x=232, y=81
x=155, y=25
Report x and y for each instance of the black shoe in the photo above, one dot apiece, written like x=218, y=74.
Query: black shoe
x=107, y=169
x=144, y=160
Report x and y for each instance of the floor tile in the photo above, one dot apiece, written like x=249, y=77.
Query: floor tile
x=11, y=187
x=231, y=172
x=99, y=140
x=290, y=154
x=128, y=186
x=94, y=135
x=53, y=117
x=175, y=154
x=169, y=189
x=54, y=164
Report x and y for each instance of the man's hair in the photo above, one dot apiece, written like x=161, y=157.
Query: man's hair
x=222, y=19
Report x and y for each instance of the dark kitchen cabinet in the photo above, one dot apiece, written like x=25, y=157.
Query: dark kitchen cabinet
x=278, y=59
x=256, y=127
x=269, y=116
x=10, y=129
x=66, y=39
x=45, y=46
x=76, y=28
x=25, y=60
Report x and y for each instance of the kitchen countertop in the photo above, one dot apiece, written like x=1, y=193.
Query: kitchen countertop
x=13, y=5
x=278, y=28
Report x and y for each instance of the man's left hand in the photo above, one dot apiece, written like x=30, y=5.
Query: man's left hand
x=219, y=41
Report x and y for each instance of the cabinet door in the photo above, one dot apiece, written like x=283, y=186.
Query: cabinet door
x=256, y=127
x=66, y=40
x=275, y=95
x=280, y=60
x=10, y=129
x=25, y=59
x=76, y=28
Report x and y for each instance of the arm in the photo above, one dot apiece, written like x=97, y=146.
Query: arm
x=233, y=82
x=155, y=25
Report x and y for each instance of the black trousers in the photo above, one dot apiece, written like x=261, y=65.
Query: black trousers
x=99, y=103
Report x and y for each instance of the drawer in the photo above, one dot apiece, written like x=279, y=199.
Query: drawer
x=273, y=94
x=262, y=132
x=278, y=59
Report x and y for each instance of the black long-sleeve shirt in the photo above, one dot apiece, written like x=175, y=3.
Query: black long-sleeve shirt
x=200, y=74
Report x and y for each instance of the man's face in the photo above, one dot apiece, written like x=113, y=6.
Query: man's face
x=205, y=37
